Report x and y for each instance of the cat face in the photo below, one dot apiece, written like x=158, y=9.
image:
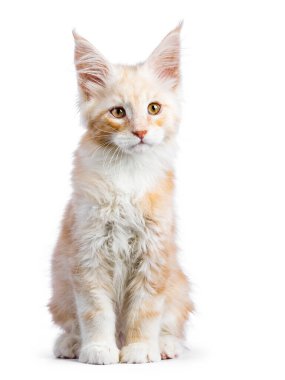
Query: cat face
x=130, y=108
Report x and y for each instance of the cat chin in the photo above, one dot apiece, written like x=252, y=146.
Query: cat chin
x=138, y=148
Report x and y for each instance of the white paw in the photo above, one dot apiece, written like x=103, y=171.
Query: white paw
x=67, y=346
x=140, y=352
x=170, y=346
x=95, y=353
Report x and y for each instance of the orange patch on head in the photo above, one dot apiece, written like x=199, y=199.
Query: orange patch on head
x=103, y=127
x=113, y=124
x=101, y=130
x=160, y=121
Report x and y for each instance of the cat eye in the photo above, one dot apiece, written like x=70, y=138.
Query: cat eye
x=153, y=108
x=118, y=112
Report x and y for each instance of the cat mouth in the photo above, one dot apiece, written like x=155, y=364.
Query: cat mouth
x=141, y=143
x=140, y=146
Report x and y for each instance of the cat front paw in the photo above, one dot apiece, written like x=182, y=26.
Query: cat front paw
x=170, y=346
x=140, y=352
x=99, y=354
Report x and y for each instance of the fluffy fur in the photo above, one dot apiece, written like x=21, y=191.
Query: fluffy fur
x=118, y=291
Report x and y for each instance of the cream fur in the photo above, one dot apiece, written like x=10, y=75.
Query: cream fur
x=117, y=284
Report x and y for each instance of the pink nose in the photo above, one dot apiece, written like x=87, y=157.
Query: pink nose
x=140, y=134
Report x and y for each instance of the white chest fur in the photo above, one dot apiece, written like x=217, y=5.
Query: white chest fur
x=113, y=233
x=116, y=227
x=114, y=237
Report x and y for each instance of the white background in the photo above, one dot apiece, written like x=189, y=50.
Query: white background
x=230, y=175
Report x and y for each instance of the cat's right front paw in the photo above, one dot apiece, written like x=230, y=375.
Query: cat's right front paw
x=95, y=353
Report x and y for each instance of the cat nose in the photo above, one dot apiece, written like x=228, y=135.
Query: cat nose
x=140, y=134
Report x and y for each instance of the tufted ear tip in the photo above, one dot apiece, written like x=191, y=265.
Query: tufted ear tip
x=74, y=33
x=179, y=26
x=77, y=37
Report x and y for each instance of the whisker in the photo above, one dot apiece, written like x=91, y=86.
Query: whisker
x=110, y=161
x=114, y=157
x=104, y=131
x=107, y=155
x=103, y=147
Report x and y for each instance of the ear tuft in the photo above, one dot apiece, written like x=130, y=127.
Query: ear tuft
x=165, y=59
x=92, y=68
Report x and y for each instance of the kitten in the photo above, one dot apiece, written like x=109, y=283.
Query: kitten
x=118, y=291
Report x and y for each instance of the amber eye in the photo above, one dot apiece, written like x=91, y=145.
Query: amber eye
x=153, y=108
x=118, y=112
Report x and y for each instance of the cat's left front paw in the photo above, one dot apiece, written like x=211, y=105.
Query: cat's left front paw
x=140, y=352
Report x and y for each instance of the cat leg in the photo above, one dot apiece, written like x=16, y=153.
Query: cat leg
x=142, y=322
x=176, y=312
x=67, y=345
x=97, y=324
x=62, y=307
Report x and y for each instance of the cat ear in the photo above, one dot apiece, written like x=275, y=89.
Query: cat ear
x=165, y=59
x=92, y=68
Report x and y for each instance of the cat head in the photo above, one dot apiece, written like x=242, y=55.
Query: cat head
x=130, y=108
